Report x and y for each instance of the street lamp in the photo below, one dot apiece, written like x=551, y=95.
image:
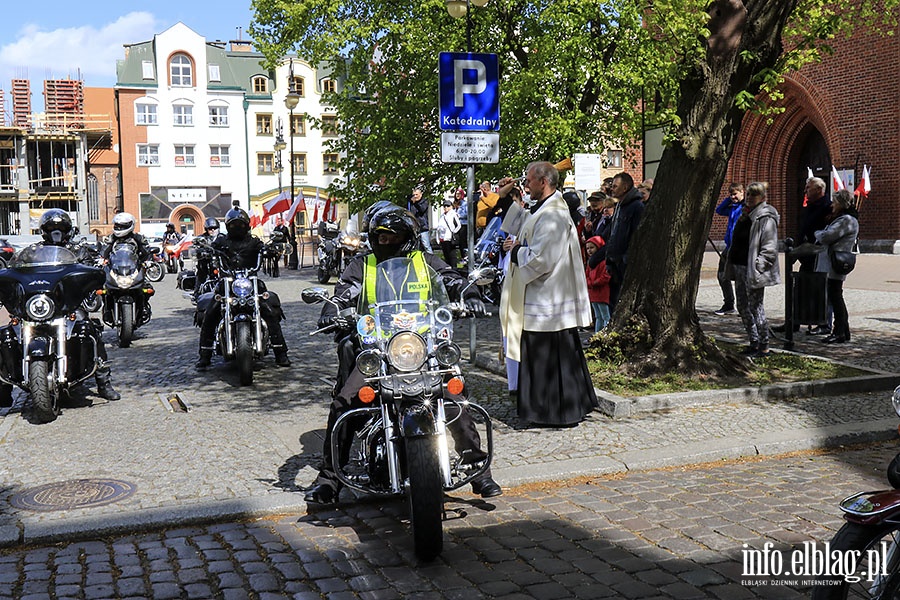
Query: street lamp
x=279, y=146
x=291, y=101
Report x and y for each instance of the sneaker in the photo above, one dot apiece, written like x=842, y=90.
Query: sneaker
x=818, y=330
x=725, y=310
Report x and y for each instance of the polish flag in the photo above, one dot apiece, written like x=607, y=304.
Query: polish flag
x=182, y=246
x=279, y=204
x=836, y=182
x=315, y=218
x=865, y=184
x=298, y=204
x=254, y=220
x=330, y=212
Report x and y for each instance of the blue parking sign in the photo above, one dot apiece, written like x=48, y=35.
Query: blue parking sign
x=469, y=91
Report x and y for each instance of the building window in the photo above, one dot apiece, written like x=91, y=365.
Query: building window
x=298, y=125
x=329, y=125
x=297, y=85
x=260, y=84
x=183, y=115
x=93, y=198
x=181, y=71
x=214, y=73
x=265, y=163
x=148, y=155
x=218, y=156
x=263, y=124
x=147, y=69
x=329, y=86
x=145, y=114
x=218, y=116
x=614, y=158
x=331, y=162
x=184, y=155
x=299, y=164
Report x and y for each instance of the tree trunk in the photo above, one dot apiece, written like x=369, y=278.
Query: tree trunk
x=656, y=319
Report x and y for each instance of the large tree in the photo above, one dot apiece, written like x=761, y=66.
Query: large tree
x=574, y=75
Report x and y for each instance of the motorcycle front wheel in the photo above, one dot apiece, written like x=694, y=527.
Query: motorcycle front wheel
x=323, y=274
x=858, y=540
x=126, y=324
x=426, y=496
x=243, y=352
x=42, y=387
x=154, y=272
x=172, y=265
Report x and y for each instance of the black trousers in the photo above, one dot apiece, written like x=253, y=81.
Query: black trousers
x=268, y=311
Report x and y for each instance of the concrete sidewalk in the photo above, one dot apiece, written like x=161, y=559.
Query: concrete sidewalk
x=249, y=451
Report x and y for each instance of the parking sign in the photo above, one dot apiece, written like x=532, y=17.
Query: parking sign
x=469, y=91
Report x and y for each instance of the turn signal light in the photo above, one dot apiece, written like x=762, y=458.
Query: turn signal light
x=455, y=386
x=366, y=394
x=100, y=292
x=149, y=291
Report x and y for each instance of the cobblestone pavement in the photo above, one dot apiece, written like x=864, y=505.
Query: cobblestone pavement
x=246, y=451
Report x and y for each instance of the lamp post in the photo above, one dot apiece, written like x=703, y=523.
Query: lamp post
x=459, y=9
x=279, y=146
x=291, y=101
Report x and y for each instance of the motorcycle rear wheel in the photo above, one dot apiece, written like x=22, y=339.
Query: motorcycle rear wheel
x=859, y=539
x=171, y=265
x=243, y=352
x=126, y=324
x=154, y=272
x=426, y=496
x=44, y=395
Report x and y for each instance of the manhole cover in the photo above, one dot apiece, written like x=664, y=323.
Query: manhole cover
x=77, y=493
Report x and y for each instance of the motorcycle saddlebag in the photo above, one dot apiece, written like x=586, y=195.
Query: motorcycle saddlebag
x=187, y=280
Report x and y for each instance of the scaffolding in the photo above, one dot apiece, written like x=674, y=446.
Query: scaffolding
x=21, y=102
x=65, y=97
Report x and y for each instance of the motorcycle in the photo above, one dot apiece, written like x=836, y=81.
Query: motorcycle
x=173, y=260
x=328, y=251
x=871, y=535
x=413, y=382
x=273, y=251
x=487, y=254
x=242, y=334
x=126, y=294
x=46, y=348
x=88, y=253
x=153, y=267
x=351, y=245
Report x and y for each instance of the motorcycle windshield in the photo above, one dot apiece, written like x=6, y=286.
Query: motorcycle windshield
x=43, y=256
x=404, y=297
x=490, y=236
x=123, y=260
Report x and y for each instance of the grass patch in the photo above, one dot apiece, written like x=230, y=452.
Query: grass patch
x=777, y=368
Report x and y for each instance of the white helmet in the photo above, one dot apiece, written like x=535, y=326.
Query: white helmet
x=123, y=224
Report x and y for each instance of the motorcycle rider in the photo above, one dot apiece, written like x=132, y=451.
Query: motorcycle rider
x=124, y=233
x=56, y=230
x=393, y=232
x=173, y=238
x=244, y=249
x=210, y=235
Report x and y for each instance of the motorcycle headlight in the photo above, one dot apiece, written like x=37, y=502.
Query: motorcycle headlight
x=369, y=363
x=123, y=281
x=242, y=287
x=406, y=351
x=39, y=307
x=447, y=354
x=895, y=400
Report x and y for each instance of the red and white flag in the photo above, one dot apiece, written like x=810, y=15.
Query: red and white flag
x=279, y=204
x=183, y=245
x=836, y=182
x=254, y=220
x=865, y=184
x=298, y=204
x=330, y=212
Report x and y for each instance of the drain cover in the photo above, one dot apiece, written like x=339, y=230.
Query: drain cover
x=77, y=493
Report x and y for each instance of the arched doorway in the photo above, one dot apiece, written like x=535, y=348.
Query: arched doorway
x=187, y=220
x=809, y=152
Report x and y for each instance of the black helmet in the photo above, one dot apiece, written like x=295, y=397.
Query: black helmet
x=397, y=221
x=170, y=226
x=210, y=223
x=56, y=227
x=237, y=223
x=370, y=212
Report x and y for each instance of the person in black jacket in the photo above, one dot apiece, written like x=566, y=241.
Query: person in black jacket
x=243, y=250
x=624, y=223
x=393, y=232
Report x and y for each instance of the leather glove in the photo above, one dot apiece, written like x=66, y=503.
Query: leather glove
x=325, y=321
x=475, y=305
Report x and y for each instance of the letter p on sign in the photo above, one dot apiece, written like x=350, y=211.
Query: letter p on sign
x=460, y=87
x=469, y=91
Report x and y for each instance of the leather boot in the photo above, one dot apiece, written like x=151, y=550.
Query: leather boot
x=6, y=398
x=281, y=357
x=104, y=385
x=205, y=359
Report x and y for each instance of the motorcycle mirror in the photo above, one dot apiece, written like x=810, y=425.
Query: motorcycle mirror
x=314, y=295
x=483, y=276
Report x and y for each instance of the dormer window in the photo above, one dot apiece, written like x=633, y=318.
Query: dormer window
x=181, y=71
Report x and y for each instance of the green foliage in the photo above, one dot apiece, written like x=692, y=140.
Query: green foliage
x=573, y=73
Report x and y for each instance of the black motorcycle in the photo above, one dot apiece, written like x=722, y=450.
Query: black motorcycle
x=487, y=254
x=126, y=294
x=328, y=251
x=414, y=389
x=47, y=347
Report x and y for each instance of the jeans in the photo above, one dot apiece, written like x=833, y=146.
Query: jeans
x=601, y=315
x=425, y=239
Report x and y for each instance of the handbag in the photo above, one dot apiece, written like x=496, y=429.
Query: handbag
x=842, y=262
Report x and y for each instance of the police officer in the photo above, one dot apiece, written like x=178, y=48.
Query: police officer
x=393, y=232
x=245, y=249
x=56, y=230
